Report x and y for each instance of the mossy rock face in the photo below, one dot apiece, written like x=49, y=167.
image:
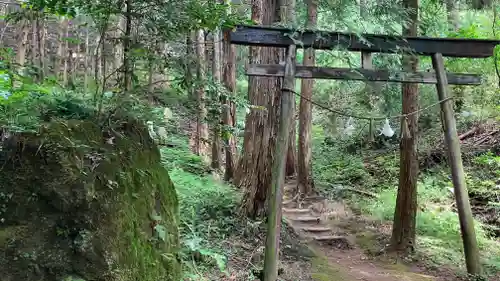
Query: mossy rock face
x=82, y=202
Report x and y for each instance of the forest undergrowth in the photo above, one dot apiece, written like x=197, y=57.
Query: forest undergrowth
x=63, y=61
x=218, y=244
x=438, y=234
x=221, y=245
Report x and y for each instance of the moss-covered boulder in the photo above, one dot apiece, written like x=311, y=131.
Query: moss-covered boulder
x=79, y=201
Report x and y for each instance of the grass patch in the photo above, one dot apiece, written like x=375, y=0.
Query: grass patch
x=438, y=227
x=207, y=212
x=178, y=158
x=204, y=203
x=323, y=270
x=332, y=165
x=207, y=207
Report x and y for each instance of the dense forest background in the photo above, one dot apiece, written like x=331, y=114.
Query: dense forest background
x=168, y=65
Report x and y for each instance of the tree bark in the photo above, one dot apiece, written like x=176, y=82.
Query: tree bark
x=305, y=179
x=119, y=45
x=33, y=47
x=70, y=68
x=65, y=55
x=189, y=67
x=291, y=154
x=229, y=110
x=98, y=54
x=23, y=43
x=103, y=65
x=189, y=77
x=61, y=47
x=291, y=158
x=254, y=171
x=87, y=60
x=127, y=63
x=403, y=231
x=42, y=37
x=151, y=72
x=36, y=44
x=217, y=76
x=201, y=126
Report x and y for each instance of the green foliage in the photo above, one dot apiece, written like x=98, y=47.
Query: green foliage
x=336, y=167
x=120, y=184
x=179, y=158
x=490, y=162
x=438, y=230
x=334, y=164
x=207, y=212
x=482, y=178
x=203, y=202
x=207, y=209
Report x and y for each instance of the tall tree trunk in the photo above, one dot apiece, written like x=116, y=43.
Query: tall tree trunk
x=304, y=178
x=63, y=30
x=103, y=63
x=151, y=74
x=190, y=74
x=66, y=57
x=201, y=125
x=291, y=156
x=42, y=37
x=208, y=55
x=151, y=68
x=69, y=68
x=97, y=55
x=33, y=45
x=164, y=73
x=189, y=68
x=403, y=231
x=254, y=171
x=22, y=43
x=118, y=46
x=217, y=76
x=86, y=60
x=127, y=63
x=229, y=109
x=36, y=46
x=453, y=14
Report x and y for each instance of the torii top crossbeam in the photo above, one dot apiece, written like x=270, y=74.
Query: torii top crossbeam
x=326, y=40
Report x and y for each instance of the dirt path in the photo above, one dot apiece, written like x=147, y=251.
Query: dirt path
x=321, y=223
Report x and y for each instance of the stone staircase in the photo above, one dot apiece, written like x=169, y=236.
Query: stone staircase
x=311, y=218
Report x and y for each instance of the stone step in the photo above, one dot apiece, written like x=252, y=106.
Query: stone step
x=291, y=204
x=315, y=228
x=306, y=219
x=295, y=211
x=330, y=238
x=314, y=198
x=340, y=242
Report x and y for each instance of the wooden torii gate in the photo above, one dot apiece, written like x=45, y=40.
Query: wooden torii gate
x=437, y=48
